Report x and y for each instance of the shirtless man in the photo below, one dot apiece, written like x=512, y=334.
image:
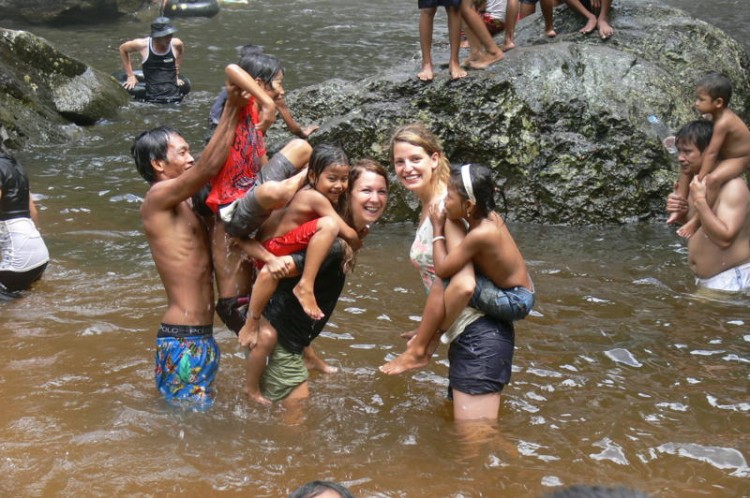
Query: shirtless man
x=161, y=58
x=187, y=357
x=719, y=252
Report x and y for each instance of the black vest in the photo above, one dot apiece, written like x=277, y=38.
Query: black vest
x=160, y=76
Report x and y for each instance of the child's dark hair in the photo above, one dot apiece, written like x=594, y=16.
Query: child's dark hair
x=250, y=49
x=324, y=155
x=482, y=185
x=150, y=146
x=716, y=85
x=263, y=66
x=696, y=132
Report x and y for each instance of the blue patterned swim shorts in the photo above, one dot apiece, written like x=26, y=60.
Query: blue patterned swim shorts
x=187, y=360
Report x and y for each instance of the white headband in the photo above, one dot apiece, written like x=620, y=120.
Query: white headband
x=466, y=177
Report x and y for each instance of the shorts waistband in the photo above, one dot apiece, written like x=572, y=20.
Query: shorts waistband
x=168, y=330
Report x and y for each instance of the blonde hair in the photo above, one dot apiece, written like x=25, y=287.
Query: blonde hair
x=418, y=135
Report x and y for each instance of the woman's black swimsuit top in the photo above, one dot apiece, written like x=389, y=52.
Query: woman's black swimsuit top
x=295, y=329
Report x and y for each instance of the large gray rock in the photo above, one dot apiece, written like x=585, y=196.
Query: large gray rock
x=42, y=89
x=562, y=121
x=66, y=11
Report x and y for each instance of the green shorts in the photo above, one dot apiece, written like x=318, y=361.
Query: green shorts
x=285, y=371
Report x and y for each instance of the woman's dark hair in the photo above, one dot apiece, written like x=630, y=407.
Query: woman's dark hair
x=150, y=146
x=263, y=66
x=317, y=488
x=482, y=185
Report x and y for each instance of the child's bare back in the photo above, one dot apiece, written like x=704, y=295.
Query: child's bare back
x=736, y=142
x=498, y=256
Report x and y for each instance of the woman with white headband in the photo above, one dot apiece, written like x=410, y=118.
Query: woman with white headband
x=481, y=347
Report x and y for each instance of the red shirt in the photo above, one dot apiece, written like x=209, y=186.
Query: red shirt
x=243, y=162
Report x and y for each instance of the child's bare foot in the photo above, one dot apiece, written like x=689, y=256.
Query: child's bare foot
x=673, y=218
x=589, y=27
x=508, y=45
x=306, y=298
x=457, y=72
x=688, y=229
x=487, y=59
x=248, y=335
x=426, y=73
x=407, y=360
x=605, y=29
x=550, y=33
x=255, y=396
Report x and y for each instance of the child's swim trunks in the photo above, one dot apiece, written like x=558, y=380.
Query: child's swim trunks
x=187, y=360
x=735, y=279
x=295, y=240
x=503, y=304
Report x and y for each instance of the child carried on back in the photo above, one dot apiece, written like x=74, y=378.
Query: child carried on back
x=310, y=221
x=504, y=289
x=727, y=155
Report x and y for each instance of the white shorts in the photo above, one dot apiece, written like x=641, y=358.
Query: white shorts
x=735, y=279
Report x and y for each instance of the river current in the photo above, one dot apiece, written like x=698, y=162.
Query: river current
x=623, y=375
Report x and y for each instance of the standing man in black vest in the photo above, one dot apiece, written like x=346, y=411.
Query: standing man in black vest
x=161, y=57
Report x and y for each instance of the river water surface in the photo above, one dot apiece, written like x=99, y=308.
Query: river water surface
x=623, y=375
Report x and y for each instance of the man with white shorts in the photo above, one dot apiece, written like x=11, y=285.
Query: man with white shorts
x=719, y=252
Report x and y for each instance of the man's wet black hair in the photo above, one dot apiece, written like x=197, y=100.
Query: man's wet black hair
x=151, y=145
x=696, y=132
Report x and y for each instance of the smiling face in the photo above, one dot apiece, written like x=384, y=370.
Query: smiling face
x=178, y=159
x=368, y=199
x=414, y=167
x=332, y=182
